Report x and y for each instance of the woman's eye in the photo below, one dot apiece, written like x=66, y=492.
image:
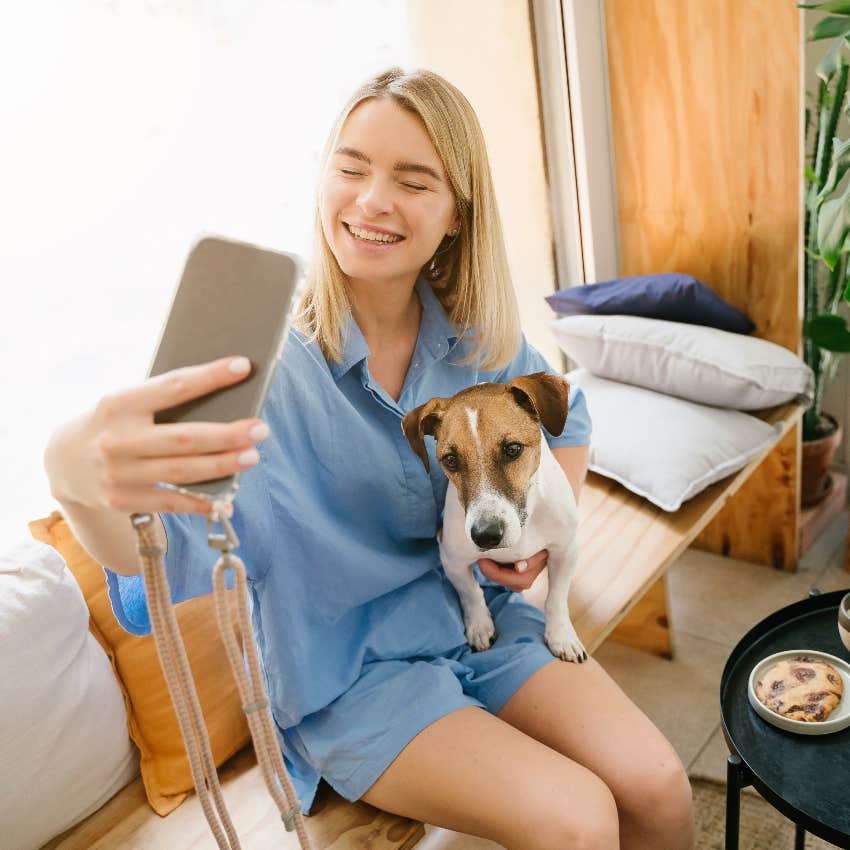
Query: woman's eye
x=349, y=173
x=450, y=462
x=513, y=449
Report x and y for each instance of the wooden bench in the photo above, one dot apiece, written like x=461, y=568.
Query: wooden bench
x=128, y=822
x=627, y=545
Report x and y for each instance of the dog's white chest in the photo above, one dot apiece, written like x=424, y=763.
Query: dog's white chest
x=551, y=524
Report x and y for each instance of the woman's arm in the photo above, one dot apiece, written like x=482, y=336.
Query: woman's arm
x=573, y=460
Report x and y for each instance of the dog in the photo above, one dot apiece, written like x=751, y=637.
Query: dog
x=507, y=496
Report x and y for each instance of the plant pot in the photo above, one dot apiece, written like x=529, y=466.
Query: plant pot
x=817, y=458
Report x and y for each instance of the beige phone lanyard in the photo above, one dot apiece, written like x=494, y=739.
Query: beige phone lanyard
x=178, y=676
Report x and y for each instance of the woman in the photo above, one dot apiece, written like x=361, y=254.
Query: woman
x=371, y=682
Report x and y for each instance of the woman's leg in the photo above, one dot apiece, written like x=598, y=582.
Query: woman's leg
x=580, y=711
x=470, y=771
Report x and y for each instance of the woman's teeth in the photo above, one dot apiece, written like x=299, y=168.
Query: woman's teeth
x=371, y=236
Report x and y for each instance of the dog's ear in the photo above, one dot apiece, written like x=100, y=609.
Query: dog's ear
x=422, y=420
x=545, y=397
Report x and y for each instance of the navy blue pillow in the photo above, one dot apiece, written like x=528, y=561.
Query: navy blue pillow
x=670, y=296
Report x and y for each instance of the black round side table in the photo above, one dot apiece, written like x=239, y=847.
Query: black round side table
x=806, y=777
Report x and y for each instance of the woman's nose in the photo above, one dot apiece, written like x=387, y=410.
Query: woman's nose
x=375, y=197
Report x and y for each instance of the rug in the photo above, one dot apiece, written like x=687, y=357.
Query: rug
x=762, y=827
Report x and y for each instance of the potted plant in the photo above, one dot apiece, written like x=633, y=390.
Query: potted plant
x=827, y=244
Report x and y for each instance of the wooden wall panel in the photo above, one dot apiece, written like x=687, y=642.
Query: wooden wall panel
x=761, y=522
x=705, y=103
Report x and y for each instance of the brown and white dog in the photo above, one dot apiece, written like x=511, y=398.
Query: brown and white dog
x=507, y=496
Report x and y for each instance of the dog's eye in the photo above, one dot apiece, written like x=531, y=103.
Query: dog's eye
x=513, y=449
x=450, y=462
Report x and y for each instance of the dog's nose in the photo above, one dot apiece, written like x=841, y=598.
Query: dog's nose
x=487, y=534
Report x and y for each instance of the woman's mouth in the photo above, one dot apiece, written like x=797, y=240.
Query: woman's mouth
x=369, y=239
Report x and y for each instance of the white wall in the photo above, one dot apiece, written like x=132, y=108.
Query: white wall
x=496, y=72
x=128, y=130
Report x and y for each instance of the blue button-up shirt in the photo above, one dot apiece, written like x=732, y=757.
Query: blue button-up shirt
x=337, y=522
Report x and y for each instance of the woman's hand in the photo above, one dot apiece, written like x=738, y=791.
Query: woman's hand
x=112, y=455
x=509, y=576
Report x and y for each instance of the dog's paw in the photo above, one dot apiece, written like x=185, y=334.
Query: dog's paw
x=563, y=642
x=480, y=631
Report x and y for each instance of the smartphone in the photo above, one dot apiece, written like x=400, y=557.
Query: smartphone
x=232, y=298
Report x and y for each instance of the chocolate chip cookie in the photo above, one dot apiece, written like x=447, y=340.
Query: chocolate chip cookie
x=801, y=689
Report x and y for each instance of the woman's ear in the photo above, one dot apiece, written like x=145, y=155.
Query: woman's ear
x=454, y=227
x=545, y=397
x=422, y=420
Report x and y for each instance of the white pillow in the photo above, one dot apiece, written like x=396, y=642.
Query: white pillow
x=698, y=363
x=64, y=745
x=664, y=448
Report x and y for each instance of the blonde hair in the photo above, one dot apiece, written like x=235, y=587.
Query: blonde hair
x=469, y=272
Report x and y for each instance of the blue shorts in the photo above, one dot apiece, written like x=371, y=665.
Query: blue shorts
x=352, y=741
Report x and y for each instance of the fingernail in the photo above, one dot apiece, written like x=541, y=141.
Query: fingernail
x=240, y=365
x=249, y=457
x=259, y=432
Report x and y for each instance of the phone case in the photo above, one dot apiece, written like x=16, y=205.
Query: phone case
x=233, y=298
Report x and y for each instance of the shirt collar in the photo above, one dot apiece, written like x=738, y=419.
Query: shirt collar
x=436, y=332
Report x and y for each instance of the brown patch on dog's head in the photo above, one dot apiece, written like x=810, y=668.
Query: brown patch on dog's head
x=546, y=397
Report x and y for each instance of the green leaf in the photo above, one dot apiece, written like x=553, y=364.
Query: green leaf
x=811, y=253
x=832, y=61
x=838, y=167
x=830, y=28
x=833, y=225
x=829, y=332
x=847, y=291
x=811, y=198
x=840, y=7
x=810, y=174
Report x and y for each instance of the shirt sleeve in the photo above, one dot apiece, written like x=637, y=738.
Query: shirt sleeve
x=189, y=563
x=528, y=360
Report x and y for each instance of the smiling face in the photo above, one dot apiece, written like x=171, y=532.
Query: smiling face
x=385, y=200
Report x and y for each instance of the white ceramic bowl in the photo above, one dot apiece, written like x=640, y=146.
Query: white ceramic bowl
x=839, y=718
x=844, y=620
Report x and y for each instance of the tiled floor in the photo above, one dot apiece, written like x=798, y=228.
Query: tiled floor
x=714, y=601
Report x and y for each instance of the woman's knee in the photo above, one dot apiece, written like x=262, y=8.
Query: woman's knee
x=662, y=794
x=581, y=816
